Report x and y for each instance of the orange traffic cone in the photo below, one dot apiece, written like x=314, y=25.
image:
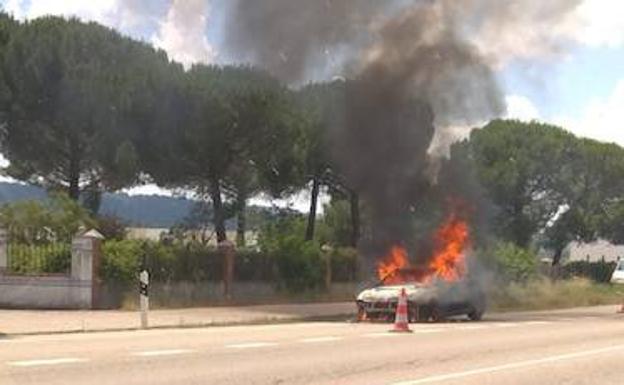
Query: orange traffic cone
x=401, y=322
x=621, y=309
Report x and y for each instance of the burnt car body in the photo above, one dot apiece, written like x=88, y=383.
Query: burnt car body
x=432, y=301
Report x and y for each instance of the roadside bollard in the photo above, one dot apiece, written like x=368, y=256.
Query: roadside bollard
x=144, y=297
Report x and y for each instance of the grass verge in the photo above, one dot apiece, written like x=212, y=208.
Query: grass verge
x=544, y=294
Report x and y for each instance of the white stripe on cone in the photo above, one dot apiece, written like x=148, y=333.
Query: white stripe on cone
x=401, y=322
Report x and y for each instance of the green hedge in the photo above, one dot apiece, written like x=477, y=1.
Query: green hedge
x=54, y=258
x=596, y=271
x=295, y=265
x=510, y=262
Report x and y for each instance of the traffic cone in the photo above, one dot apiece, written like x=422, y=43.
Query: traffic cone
x=621, y=309
x=401, y=322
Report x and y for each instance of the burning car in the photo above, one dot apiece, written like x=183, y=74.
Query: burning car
x=427, y=301
x=439, y=288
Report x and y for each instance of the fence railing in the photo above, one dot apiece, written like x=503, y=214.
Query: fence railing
x=29, y=253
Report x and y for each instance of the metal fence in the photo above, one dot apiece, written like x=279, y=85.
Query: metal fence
x=28, y=257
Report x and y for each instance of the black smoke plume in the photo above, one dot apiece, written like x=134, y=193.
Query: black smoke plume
x=413, y=69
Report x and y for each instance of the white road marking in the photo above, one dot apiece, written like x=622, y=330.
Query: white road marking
x=471, y=327
x=43, y=362
x=537, y=323
x=506, y=324
x=511, y=366
x=168, y=352
x=384, y=334
x=320, y=339
x=427, y=331
x=251, y=345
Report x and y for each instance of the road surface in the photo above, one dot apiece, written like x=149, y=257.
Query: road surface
x=583, y=346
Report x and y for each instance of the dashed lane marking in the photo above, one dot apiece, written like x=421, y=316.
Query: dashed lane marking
x=167, y=352
x=320, y=339
x=251, y=345
x=381, y=335
x=506, y=325
x=538, y=323
x=47, y=362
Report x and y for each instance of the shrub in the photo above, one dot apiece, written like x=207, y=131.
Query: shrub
x=596, y=271
x=111, y=227
x=510, y=262
x=121, y=261
x=299, y=262
x=344, y=264
x=39, y=259
x=38, y=222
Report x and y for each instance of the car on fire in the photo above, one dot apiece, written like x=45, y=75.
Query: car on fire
x=428, y=300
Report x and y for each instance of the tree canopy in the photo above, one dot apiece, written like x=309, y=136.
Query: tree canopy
x=71, y=89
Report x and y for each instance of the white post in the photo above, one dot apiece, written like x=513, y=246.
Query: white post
x=144, y=297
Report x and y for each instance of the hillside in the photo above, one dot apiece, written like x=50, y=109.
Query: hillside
x=152, y=211
x=141, y=210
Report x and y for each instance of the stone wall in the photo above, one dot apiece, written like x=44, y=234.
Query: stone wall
x=79, y=290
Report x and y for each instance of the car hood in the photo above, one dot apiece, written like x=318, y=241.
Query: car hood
x=390, y=293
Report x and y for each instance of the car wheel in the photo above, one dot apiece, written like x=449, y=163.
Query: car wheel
x=435, y=314
x=475, y=315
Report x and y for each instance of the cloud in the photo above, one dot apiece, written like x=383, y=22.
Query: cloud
x=521, y=108
x=183, y=32
x=96, y=10
x=602, y=119
x=602, y=23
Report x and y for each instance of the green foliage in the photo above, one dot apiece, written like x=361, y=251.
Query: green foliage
x=344, y=264
x=543, y=294
x=335, y=227
x=238, y=133
x=111, y=227
x=39, y=259
x=121, y=261
x=542, y=179
x=299, y=262
x=510, y=262
x=32, y=222
x=521, y=166
x=69, y=84
x=178, y=262
x=599, y=272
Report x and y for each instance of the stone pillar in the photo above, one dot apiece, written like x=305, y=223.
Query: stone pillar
x=4, y=258
x=85, y=264
x=227, y=250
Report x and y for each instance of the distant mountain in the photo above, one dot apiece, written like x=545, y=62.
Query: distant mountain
x=140, y=210
x=154, y=211
x=146, y=210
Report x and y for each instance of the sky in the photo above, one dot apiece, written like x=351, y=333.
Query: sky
x=581, y=89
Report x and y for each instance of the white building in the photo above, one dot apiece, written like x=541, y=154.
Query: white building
x=600, y=250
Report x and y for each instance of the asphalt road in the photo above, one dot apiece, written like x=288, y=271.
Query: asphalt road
x=582, y=346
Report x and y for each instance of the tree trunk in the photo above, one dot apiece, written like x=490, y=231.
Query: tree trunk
x=557, y=255
x=316, y=186
x=355, y=218
x=74, y=178
x=241, y=219
x=218, y=216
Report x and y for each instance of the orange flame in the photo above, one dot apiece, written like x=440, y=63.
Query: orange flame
x=447, y=262
x=451, y=240
x=394, y=261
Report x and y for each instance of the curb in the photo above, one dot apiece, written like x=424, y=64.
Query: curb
x=201, y=325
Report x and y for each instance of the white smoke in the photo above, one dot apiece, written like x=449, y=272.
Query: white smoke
x=183, y=32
